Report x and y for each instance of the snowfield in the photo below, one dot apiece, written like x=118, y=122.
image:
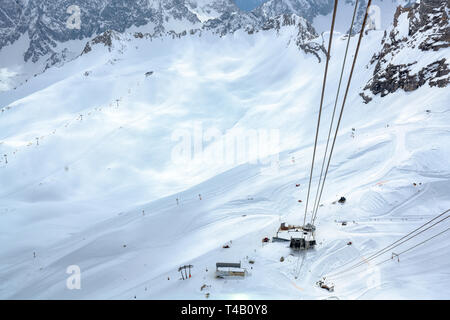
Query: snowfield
x=93, y=177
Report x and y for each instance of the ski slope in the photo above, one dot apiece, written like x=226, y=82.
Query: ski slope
x=99, y=187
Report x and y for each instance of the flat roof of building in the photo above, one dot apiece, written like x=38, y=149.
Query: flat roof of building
x=228, y=265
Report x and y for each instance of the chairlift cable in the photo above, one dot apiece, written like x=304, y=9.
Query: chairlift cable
x=384, y=251
x=377, y=254
x=321, y=104
x=343, y=104
x=335, y=105
x=410, y=248
x=416, y=245
x=405, y=236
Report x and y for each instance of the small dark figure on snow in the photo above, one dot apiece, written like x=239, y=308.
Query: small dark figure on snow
x=342, y=200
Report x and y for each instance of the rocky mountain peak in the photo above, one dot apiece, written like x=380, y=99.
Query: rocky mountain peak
x=305, y=32
x=424, y=28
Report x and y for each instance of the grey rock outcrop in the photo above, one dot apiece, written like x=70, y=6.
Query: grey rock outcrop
x=424, y=28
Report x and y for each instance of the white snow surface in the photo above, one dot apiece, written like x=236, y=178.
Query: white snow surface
x=99, y=190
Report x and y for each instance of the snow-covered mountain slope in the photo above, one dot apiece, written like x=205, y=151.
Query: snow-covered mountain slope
x=47, y=33
x=93, y=176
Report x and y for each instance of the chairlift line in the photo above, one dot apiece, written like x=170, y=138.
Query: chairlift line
x=302, y=243
x=394, y=245
x=361, y=33
x=405, y=236
x=321, y=183
x=409, y=249
x=316, y=204
x=380, y=253
x=321, y=104
x=416, y=245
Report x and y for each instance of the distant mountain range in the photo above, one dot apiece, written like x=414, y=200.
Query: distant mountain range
x=46, y=23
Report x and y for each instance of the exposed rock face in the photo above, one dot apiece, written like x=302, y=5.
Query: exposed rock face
x=305, y=33
x=424, y=28
x=400, y=77
x=229, y=22
x=431, y=18
x=105, y=38
x=305, y=28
